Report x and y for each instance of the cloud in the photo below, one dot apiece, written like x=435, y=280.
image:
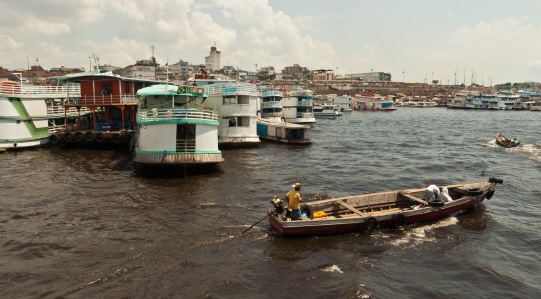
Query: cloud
x=44, y=27
x=9, y=44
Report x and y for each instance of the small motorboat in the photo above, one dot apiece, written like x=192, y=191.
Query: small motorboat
x=368, y=212
x=505, y=142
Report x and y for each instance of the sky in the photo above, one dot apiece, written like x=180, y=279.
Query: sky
x=480, y=41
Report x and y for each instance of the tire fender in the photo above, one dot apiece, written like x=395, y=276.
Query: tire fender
x=100, y=137
x=116, y=138
x=308, y=210
x=370, y=224
x=89, y=136
x=54, y=139
x=69, y=137
x=475, y=191
x=399, y=220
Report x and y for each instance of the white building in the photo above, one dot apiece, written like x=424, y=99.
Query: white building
x=212, y=62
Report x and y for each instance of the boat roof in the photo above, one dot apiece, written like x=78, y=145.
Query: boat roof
x=100, y=74
x=159, y=89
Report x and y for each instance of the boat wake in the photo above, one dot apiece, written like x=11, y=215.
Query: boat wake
x=422, y=234
x=491, y=143
x=332, y=269
x=533, y=151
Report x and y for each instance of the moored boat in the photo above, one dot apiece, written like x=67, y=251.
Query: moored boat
x=236, y=105
x=326, y=110
x=282, y=132
x=174, y=129
x=27, y=112
x=373, y=102
x=368, y=212
x=505, y=142
x=298, y=107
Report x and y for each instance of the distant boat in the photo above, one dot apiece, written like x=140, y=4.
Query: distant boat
x=282, y=132
x=174, y=129
x=271, y=105
x=373, y=102
x=505, y=142
x=326, y=110
x=298, y=107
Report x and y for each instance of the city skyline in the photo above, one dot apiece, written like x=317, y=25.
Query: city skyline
x=485, y=42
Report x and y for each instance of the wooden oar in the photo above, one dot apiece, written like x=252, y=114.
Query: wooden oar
x=268, y=214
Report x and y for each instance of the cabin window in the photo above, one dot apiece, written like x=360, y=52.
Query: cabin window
x=230, y=100
x=241, y=121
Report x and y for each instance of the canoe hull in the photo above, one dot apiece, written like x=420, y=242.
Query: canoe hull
x=396, y=217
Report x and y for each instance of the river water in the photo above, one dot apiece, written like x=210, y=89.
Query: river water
x=83, y=223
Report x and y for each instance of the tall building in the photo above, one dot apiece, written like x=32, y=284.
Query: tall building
x=212, y=62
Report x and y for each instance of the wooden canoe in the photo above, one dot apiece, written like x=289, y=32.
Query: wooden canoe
x=367, y=212
x=504, y=141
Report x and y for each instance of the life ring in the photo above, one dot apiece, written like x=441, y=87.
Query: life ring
x=399, y=220
x=490, y=193
x=100, y=137
x=54, y=139
x=69, y=137
x=116, y=138
x=436, y=203
x=475, y=191
x=308, y=210
x=89, y=136
x=371, y=224
x=79, y=136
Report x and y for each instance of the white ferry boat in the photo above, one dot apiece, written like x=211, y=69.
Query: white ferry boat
x=373, y=102
x=236, y=105
x=271, y=106
x=298, y=107
x=28, y=112
x=271, y=125
x=326, y=110
x=173, y=128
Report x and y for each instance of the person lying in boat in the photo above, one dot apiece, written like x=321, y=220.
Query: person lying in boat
x=294, y=199
x=432, y=192
x=444, y=195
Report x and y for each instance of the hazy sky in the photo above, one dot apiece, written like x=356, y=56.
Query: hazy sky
x=492, y=41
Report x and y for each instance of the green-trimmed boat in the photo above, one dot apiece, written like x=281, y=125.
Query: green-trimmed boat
x=174, y=129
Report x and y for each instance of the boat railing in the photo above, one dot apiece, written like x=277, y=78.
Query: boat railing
x=271, y=114
x=305, y=102
x=271, y=104
x=231, y=89
x=185, y=145
x=270, y=93
x=157, y=114
x=305, y=115
x=61, y=110
x=42, y=91
x=127, y=98
x=56, y=128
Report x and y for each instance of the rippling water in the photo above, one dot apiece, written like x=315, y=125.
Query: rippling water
x=82, y=223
